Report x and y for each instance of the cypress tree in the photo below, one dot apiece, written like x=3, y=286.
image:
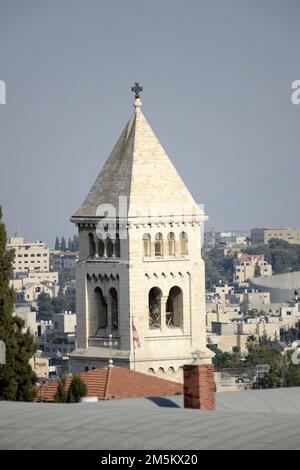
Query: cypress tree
x=61, y=393
x=17, y=379
x=77, y=389
x=63, y=245
x=57, y=244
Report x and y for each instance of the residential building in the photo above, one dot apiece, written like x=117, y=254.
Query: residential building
x=31, y=290
x=33, y=256
x=64, y=262
x=246, y=266
x=25, y=312
x=263, y=235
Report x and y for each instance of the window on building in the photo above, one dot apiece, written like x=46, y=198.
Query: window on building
x=109, y=247
x=101, y=309
x=183, y=243
x=155, y=307
x=147, y=244
x=117, y=246
x=114, y=308
x=100, y=248
x=171, y=244
x=92, y=246
x=174, y=308
x=158, y=244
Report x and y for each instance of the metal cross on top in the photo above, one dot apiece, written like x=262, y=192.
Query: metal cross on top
x=137, y=89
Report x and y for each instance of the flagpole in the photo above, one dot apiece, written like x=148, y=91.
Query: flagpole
x=133, y=343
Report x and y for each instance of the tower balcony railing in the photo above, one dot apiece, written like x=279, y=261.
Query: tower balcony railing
x=105, y=342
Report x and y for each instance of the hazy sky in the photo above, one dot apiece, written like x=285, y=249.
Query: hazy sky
x=217, y=84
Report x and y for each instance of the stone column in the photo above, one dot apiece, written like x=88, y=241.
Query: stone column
x=163, y=304
x=109, y=316
x=199, y=383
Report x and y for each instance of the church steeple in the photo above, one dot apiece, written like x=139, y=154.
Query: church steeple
x=147, y=276
x=136, y=168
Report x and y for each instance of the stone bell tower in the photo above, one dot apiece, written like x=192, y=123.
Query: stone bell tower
x=140, y=275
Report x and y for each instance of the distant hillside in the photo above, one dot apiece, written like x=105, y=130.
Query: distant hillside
x=283, y=257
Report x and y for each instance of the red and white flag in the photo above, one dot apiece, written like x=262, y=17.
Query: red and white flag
x=135, y=336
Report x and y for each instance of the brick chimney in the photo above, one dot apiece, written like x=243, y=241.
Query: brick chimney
x=199, y=383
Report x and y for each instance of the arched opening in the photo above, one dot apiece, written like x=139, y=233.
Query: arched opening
x=117, y=246
x=158, y=244
x=100, y=248
x=114, y=308
x=171, y=244
x=150, y=371
x=101, y=307
x=171, y=370
x=161, y=370
x=154, y=307
x=174, y=308
x=109, y=247
x=183, y=244
x=147, y=244
x=92, y=245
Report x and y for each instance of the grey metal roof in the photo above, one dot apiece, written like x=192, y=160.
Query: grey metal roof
x=255, y=419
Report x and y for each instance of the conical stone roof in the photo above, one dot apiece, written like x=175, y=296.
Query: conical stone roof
x=138, y=169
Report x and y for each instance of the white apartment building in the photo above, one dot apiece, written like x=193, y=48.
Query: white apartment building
x=33, y=256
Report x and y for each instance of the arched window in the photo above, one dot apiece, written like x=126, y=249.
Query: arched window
x=92, y=245
x=154, y=307
x=161, y=370
x=171, y=370
x=100, y=248
x=114, y=308
x=147, y=244
x=117, y=246
x=158, y=244
x=174, y=308
x=109, y=247
x=183, y=243
x=101, y=307
x=171, y=244
x=150, y=371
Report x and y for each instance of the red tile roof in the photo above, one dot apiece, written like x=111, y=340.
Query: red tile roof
x=115, y=382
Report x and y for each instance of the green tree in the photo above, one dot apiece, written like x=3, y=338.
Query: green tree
x=261, y=354
x=61, y=395
x=251, y=343
x=292, y=377
x=59, y=302
x=45, y=306
x=257, y=270
x=77, y=389
x=57, y=244
x=75, y=243
x=283, y=256
x=218, y=267
x=17, y=379
x=69, y=244
x=63, y=245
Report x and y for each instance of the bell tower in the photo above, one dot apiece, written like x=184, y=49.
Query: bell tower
x=140, y=275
